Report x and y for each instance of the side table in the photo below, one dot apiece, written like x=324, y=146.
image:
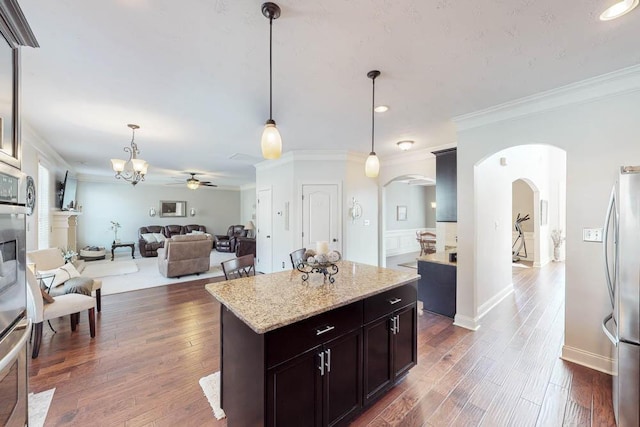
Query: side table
x=115, y=245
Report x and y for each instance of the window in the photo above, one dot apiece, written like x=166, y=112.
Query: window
x=42, y=207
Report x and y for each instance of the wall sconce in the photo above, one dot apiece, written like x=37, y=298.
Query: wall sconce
x=433, y=205
x=152, y=212
x=192, y=212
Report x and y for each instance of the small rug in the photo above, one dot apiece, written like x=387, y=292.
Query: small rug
x=211, y=388
x=39, y=407
x=413, y=264
x=109, y=268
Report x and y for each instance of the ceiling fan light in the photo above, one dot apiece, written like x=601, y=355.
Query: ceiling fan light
x=193, y=184
x=372, y=166
x=117, y=165
x=405, y=145
x=271, y=141
x=618, y=9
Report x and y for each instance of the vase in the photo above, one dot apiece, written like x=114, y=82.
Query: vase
x=556, y=254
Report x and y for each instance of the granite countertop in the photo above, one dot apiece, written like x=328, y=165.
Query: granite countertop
x=269, y=301
x=438, y=257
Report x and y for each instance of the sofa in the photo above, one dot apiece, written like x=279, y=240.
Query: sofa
x=227, y=242
x=185, y=254
x=152, y=237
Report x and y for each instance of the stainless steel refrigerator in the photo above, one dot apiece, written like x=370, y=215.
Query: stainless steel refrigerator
x=622, y=264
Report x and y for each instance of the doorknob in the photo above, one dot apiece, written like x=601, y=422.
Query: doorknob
x=268, y=237
x=335, y=240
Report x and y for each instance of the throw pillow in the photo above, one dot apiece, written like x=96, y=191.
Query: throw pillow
x=79, y=285
x=48, y=299
x=197, y=232
x=149, y=237
x=63, y=274
x=159, y=237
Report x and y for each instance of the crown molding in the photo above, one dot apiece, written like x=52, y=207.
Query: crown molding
x=98, y=179
x=245, y=187
x=615, y=83
x=33, y=138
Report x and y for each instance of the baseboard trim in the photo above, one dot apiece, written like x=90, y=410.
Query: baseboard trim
x=588, y=359
x=495, y=300
x=466, y=322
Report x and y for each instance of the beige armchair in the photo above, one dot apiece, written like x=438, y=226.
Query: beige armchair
x=185, y=254
x=50, y=259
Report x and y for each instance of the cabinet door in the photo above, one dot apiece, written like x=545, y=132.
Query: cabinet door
x=377, y=358
x=294, y=392
x=405, y=355
x=343, y=378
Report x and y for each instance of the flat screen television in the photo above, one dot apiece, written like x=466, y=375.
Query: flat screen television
x=68, y=193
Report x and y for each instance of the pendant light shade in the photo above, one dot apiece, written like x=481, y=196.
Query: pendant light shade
x=271, y=142
x=372, y=166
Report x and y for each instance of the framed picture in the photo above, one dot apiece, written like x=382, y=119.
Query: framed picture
x=172, y=208
x=544, y=212
x=401, y=213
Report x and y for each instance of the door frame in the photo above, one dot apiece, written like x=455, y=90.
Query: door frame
x=259, y=241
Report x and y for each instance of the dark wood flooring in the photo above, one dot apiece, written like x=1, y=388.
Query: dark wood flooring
x=152, y=347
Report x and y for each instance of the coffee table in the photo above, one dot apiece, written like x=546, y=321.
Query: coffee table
x=115, y=246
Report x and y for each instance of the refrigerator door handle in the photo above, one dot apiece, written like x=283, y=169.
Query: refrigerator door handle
x=609, y=335
x=605, y=245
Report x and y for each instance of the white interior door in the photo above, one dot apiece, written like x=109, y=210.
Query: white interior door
x=264, y=239
x=321, y=216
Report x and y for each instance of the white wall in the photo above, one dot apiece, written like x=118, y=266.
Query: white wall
x=248, y=207
x=417, y=199
x=103, y=202
x=522, y=203
x=598, y=135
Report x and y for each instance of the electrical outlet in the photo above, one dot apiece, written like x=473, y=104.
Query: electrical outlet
x=367, y=222
x=592, y=234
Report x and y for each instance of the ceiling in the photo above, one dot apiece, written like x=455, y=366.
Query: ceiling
x=194, y=74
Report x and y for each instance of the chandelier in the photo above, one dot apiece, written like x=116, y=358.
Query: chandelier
x=134, y=169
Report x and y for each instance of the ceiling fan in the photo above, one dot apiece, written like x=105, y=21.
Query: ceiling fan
x=193, y=183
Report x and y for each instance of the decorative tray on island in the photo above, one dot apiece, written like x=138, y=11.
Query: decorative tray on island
x=319, y=263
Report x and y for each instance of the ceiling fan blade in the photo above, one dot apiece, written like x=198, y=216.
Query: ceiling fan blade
x=207, y=184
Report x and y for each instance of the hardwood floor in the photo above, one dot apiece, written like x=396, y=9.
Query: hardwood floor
x=152, y=347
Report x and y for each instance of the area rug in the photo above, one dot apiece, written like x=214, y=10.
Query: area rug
x=39, y=407
x=109, y=268
x=148, y=275
x=211, y=388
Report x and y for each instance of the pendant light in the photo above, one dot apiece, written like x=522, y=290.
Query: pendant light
x=271, y=142
x=372, y=166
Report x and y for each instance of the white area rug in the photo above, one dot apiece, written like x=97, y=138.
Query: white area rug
x=211, y=388
x=107, y=267
x=148, y=275
x=39, y=407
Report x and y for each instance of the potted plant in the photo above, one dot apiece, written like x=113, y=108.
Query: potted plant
x=558, y=238
x=114, y=226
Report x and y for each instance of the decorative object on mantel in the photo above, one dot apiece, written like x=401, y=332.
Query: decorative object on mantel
x=134, y=169
x=319, y=261
x=114, y=226
x=271, y=142
x=558, y=238
x=372, y=166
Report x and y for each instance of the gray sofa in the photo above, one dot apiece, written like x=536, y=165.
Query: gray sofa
x=185, y=254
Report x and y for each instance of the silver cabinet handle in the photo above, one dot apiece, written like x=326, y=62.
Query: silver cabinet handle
x=325, y=330
x=321, y=367
x=394, y=301
x=397, y=324
x=328, y=360
x=393, y=325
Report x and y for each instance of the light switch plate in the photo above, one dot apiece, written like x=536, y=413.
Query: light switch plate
x=592, y=234
x=367, y=222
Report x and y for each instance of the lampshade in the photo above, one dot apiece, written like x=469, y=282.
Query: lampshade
x=618, y=9
x=117, y=164
x=372, y=166
x=138, y=164
x=249, y=226
x=271, y=141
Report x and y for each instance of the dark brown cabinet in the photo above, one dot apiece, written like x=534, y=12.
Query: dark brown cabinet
x=315, y=372
x=446, y=185
x=390, y=348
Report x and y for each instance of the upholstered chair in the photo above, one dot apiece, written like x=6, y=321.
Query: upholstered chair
x=62, y=305
x=172, y=230
x=185, y=254
x=150, y=238
x=51, y=259
x=227, y=242
x=296, y=257
x=186, y=229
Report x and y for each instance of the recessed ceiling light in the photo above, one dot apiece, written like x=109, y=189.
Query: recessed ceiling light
x=404, y=145
x=381, y=109
x=617, y=10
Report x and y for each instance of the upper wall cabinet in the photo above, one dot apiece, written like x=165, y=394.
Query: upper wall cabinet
x=16, y=32
x=446, y=185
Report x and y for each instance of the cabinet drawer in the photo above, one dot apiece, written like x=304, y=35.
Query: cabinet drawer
x=290, y=341
x=386, y=302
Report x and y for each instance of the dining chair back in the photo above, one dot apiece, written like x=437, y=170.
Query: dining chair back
x=236, y=268
x=296, y=257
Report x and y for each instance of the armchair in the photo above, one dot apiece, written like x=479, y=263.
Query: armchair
x=50, y=259
x=186, y=229
x=172, y=230
x=227, y=242
x=71, y=304
x=185, y=254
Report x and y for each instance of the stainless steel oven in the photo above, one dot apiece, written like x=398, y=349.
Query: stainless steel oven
x=14, y=326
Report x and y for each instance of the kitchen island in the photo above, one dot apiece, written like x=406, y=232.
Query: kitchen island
x=296, y=353
x=437, y=285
